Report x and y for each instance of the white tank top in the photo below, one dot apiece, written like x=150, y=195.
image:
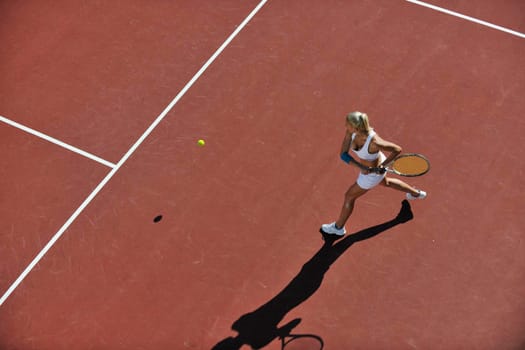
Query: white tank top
x=362, y=153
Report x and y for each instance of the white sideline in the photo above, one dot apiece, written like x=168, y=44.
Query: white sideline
x=108, y=177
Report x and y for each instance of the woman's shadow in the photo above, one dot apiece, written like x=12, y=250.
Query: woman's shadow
x=260, y=327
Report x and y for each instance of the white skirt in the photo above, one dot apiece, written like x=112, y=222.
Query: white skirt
x=368, y=181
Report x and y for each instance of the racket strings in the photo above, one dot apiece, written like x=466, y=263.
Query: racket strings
x=411, y=165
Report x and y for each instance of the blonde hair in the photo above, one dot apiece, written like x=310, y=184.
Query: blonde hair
x=359, y=121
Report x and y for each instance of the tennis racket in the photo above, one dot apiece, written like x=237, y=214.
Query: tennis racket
x=407, y=164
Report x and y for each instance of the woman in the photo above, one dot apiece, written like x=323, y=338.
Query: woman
x=368, y=148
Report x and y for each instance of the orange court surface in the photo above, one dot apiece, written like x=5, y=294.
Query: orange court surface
x=101, y=107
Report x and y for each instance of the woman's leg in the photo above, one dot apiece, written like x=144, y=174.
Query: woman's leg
x=399, y=185
x=351, y=195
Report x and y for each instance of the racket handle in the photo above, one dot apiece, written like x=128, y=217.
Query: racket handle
x=379, y=170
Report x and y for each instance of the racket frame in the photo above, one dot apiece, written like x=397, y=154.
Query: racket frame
x=404, y=155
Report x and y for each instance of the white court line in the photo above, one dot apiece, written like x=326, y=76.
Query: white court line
x=468, y=18
x=56, y=142
x=126, y=156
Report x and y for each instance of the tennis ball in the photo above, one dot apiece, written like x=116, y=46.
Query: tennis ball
x=201, y=142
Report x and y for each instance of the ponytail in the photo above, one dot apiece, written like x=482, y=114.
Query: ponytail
x=359, y=121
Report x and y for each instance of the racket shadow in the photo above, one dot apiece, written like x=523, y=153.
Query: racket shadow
x=302, y=341
x=260, y=327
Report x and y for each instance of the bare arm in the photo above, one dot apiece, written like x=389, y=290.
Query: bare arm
x=345, y=147
x=346, y=143
x=391, y=148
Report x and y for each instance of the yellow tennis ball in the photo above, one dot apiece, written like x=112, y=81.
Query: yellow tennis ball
x=201, y=142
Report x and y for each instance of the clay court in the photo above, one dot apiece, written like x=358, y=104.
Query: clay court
x=102, y=104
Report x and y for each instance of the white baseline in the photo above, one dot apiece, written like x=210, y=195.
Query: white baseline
x=108, y=177
x=56, y=142
x=468, y=18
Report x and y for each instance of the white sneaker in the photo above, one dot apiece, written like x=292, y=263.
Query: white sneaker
x=332, y=230
x=422, y=195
